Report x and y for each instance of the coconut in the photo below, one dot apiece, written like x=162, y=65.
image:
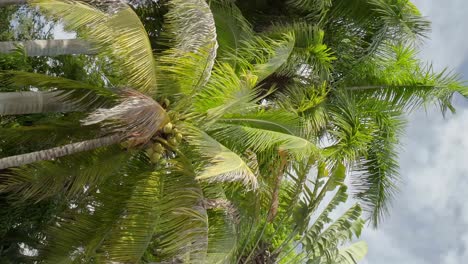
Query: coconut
x=149, y=152
x=155, y=157
x=179, y=137
x=173, y=141
x=157, y=147
x=167, y=129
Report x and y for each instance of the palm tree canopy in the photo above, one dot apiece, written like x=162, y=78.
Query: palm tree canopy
x=210, y=131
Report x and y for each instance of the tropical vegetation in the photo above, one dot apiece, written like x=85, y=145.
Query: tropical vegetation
x=193, y=131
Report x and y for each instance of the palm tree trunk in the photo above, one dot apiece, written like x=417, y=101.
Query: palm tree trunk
x=50, y=47
x=50, y=154
x=19, y=103
x=94, y=2
x=276, y=191
x=12, y=2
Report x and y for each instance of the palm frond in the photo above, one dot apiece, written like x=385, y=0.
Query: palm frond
x=222, y=220
x=351, y=132
x=136, y=118
x=182, y=231
x=79, y=233
x=310, y=55
x=324, y=246
x=120, y=35
x=399, y=77
x=60, y=94
x=224, y=164
x=191, y=29
x=352, y=254
x=377, y=173
x=133, y=232
x=226, y=93
x=324, y=217
x=308, y=103
x=261, y=133
x=386, y=20
x=231, y=27
x=318, y=7
x=271, y=55
x=274, y=120
x=366, y=136
x=70, y=177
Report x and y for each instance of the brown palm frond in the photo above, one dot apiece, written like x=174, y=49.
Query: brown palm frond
x=138, y=117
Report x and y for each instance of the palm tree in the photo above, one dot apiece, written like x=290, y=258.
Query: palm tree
x=207, y=102
x=49, y=47
x=302, y=200
x=222, y=125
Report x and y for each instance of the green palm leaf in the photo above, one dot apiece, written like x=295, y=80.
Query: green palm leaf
x=191, y=29
x=352, y=254
x=120, y=35
x=224, y=164
x=260, y=132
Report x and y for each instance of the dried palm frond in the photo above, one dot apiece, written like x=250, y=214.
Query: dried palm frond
x=138, y=117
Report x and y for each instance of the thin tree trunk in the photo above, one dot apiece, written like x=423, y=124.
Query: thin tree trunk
x=94, y=2
x=52, y=47
x=375, y=87
x=12, y=2
x=19, y=103
x=275, y=196
x=50, y=154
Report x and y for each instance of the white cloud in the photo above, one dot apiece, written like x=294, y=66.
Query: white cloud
x=429, y=220
x=448, y=39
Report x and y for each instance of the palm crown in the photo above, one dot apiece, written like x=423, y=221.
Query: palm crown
x=204, y=144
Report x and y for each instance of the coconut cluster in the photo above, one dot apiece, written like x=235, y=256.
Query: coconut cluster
x=169, y=135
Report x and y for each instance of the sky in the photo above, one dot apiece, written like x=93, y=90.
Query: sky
x=428, y=222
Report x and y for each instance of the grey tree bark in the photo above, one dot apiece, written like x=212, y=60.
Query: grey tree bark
x=12, y=2
x=50, y=154
x=52, y=47
x=20, y=103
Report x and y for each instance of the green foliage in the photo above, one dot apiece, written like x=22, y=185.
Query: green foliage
x=260, y=112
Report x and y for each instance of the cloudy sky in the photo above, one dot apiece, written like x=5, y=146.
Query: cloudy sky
x=429, y=219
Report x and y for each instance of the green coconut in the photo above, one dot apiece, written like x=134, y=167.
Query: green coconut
x=167, y=129
x=179, y=137
x=155, y=157
x=173, y=141
x=149, y=152
x=157, y=147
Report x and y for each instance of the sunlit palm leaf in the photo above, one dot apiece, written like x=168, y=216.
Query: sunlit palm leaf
x=121, y=35
x=261, y=139
x=224, y=164
x=226, y=93
x=192, y=32
x=352, y=254
x=222, y=219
